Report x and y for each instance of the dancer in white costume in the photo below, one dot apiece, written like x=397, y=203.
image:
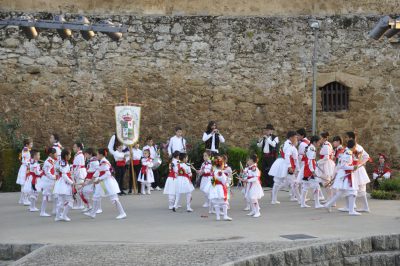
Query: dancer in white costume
x=105, y=186
x=184, y=183
x=360, y=158
x=35, y=173
x=170, y=184
x=88, y=186
x=64, y=188
x=254, y=191
x=206, y=173
x=79, y=173
x=345, y=182
x=24, y=170
x=326, y=164
x=219, y=191
x=284, y=168
x=47, y=181
x=310, y=179
x=146, y=174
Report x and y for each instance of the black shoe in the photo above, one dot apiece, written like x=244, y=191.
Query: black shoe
x=123, y=193
x=130, y=192
x=173, y=209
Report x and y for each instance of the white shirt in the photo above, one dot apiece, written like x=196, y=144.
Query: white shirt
x=78, y=167
x=153, y=151
x=212, y=135
x=111, y=144
x=268, y=141
x=176, y=144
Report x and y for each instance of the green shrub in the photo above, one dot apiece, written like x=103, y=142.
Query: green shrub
x=236, y=156
x=390, y=185
x=384, y=195
x=9, y=166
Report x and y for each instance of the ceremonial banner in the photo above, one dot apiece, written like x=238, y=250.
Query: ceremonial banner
x=128, y=124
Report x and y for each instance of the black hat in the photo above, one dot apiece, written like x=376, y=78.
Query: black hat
x=269, y=126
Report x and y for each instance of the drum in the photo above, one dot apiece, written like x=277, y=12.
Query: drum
x=156, y=163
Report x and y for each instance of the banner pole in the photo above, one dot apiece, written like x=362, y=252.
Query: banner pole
x=131, y=153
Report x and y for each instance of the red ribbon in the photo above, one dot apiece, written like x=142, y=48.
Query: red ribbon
x=217, y=182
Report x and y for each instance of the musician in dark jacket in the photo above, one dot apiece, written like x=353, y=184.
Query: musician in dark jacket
x=268, y=144
x=212, y=138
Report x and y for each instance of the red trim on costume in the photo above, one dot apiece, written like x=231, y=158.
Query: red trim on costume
x=217, y=182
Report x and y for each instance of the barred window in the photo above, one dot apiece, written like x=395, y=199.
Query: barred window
x=335, y=97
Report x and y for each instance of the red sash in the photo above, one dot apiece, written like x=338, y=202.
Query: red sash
x=73, y=187
x=349, y=177
x=90, y=175
x=217, y=182
x=121, y=163
x=172, y=174
x=34, y=177
x=182, y=172
x=307, y=170
x=136, y=162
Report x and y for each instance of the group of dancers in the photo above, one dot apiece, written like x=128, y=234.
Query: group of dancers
x=82, y=185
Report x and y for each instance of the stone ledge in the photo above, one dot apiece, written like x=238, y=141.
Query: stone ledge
x=16, y=251
x=375, y=250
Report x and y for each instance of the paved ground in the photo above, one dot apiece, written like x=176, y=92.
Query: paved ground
x=152, y=234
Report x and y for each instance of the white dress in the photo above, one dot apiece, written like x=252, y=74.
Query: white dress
x=219, y=191
x=326, y=166
x=24, y=168
x=254, y=189
x=47, y=181
x=308, y=168
x=146, y=172
x=91, y=169
x=63, y=185
x=107, y=186
x=78, y=167
x=184, y=179
x=34, y=169
x=206, y=172
x=361, y=156
x=289, y=156
x=345, y=179
x=170, y=184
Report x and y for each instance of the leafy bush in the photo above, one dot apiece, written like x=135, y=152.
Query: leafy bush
x=390, y=185
x=384, y=195
x=9, y=166
x=236, y=156
x=9, y=137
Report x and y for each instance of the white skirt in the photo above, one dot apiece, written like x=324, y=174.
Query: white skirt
x=342, y=182
x=148, y=178
x=45, y=184
x=255, y=191
x=27, y=188
x=216, y=192
x=183, y=185
x=62, y=188
x=21, y=175
x=205, y=184
x=88, y=189
x=109, y=186
x=279, y=168
x=326, y=169
x=361, y=175
x=170, y=186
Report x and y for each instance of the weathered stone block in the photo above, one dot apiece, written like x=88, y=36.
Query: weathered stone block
x=18, y=251
x=379, y=243
x=277, y=259
x=305, y=255
x=351, y=261
x=292, y=257
x=5, y=252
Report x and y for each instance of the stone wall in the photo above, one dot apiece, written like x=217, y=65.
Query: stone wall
x=241, y=71
x=206, y=7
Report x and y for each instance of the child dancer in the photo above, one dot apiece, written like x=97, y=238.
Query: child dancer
x=360, y=158
x=146, y=176
x=170, y=184
x=325, y=164
x=47, y=182
x=218, y=190
x=310, y=180
x=254, y=189
x=284, y=168
x=337, y=148
x=206, y=173
x=105, y=186
x=24, y=170
x=184, y=183
x=30, y=185
x=79, y=173
x=345, y=182
x=64, y=188
x=88, y=186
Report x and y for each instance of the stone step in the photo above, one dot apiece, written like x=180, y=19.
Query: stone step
x=374, y=259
